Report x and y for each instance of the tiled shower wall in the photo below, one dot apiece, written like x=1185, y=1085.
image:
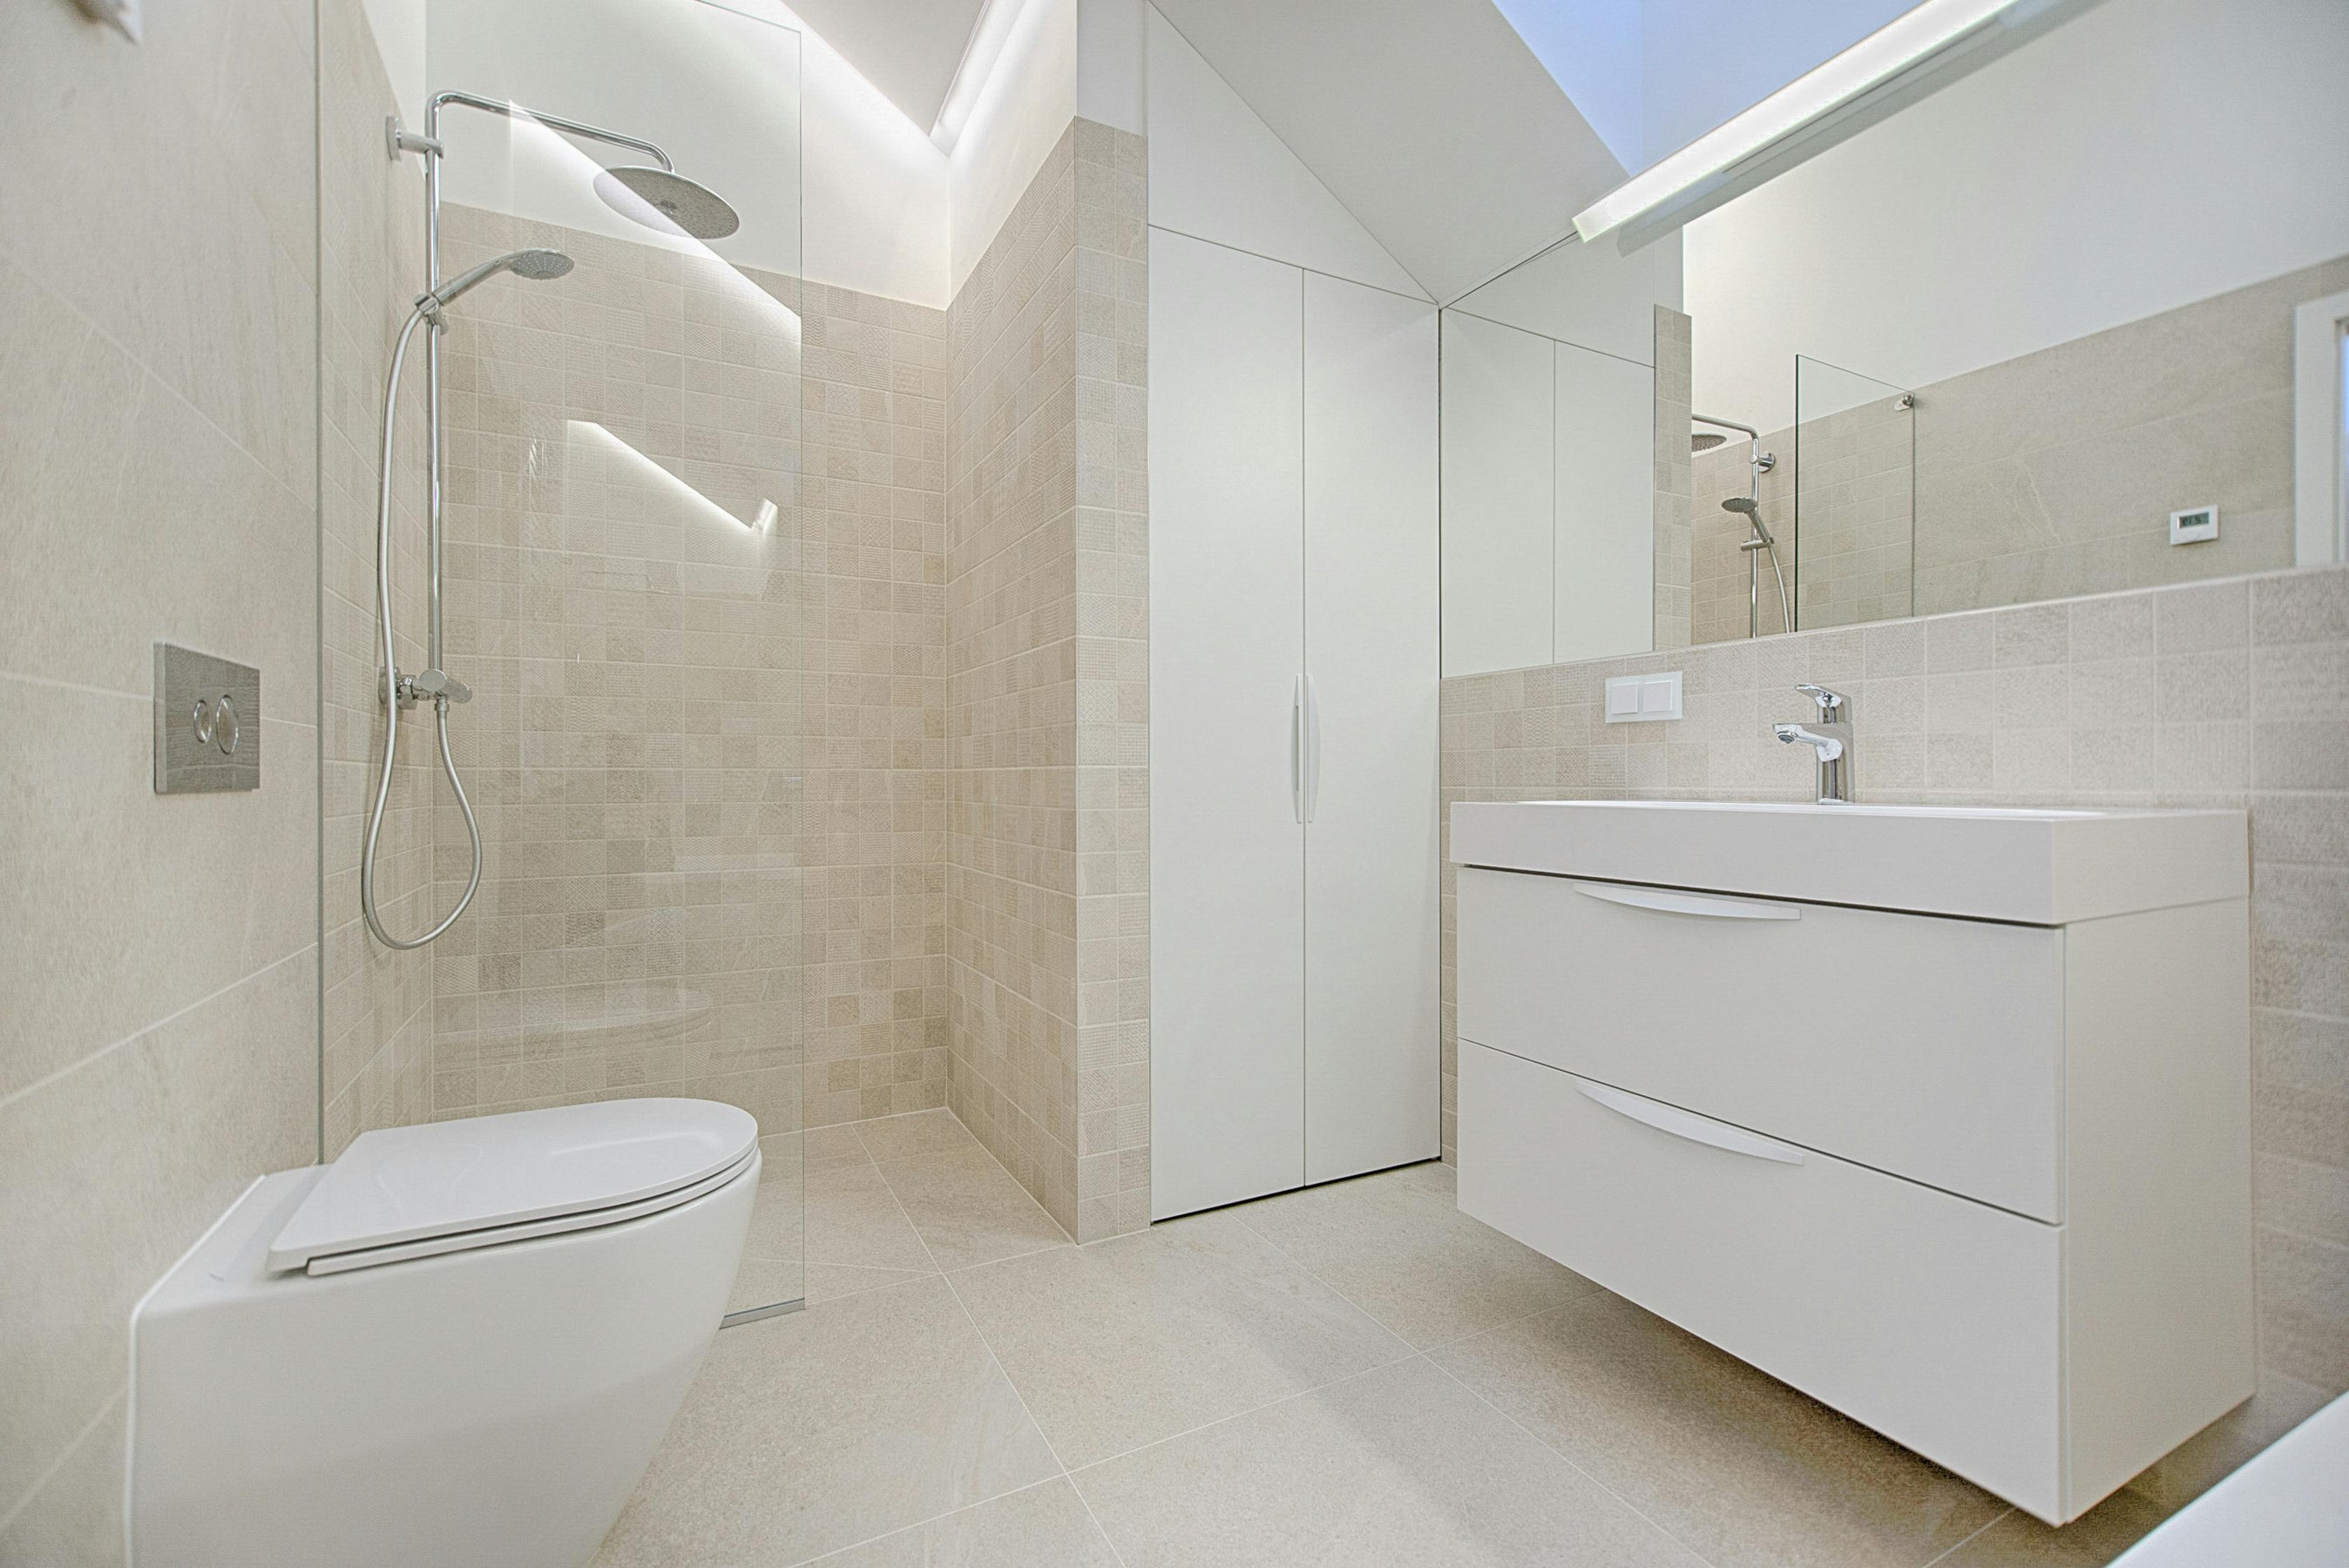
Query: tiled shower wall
x=873, y=512
x=376, y=1038
x=1047, y=688
x=157, y=482
x=2232, y=694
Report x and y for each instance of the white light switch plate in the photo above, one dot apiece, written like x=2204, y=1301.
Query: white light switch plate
x=1642, y=700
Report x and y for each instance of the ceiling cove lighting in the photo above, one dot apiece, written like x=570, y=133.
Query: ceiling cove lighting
x=1917, y=53
x=988, y=36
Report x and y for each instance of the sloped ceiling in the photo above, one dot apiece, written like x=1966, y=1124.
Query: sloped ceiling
x=1430, y=119
x=907, y=49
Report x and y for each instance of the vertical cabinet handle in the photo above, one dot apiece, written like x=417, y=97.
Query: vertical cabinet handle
x=1296, y=748
x=1312, y=749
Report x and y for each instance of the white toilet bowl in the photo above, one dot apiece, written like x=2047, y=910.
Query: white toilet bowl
x=459, y=1344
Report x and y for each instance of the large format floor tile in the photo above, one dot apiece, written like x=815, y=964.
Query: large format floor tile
x=1397, y=1245
x=916, y=1132
x=854, y=1221
x=1046, y=1526
x=2091, y=1541
x=817, y=1430
x=968, y=1209
x=1396, y=1467
x=1732, y=1462
x=1128, y=1341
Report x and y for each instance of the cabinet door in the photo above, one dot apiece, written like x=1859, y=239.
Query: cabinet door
x=1372, y=1082
x=1500, y=523
x=1604, y=600
x=1226, y=844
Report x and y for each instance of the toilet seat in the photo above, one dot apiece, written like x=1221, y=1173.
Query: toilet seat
x=404, y=1192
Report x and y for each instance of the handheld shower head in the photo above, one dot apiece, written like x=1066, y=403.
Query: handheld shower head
x=537, y=265
x=1743, y=505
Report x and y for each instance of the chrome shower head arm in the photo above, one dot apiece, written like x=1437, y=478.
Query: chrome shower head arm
x=513, y=110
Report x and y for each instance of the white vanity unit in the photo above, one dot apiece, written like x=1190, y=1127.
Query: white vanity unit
x=1941, y=1116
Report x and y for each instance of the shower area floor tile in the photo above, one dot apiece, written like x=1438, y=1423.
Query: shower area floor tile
x=1353, y=1374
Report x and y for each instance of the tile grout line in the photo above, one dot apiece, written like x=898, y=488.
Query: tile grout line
x=13, y=1095
x=933, y=1519
x=1943, y=1556
x=73, y=1446
x=1427, y=1355
x=1567, y=1459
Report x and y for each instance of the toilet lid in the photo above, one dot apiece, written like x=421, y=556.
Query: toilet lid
x=405, y=1184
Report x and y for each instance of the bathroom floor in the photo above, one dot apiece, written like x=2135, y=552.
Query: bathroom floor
x=1356, y=1374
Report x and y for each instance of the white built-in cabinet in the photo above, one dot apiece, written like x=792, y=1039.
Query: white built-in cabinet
x=1295, y=649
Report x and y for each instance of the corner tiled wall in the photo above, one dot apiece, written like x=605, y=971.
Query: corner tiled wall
x=1047, y=683
x=159, y=476
x=2231, y=693
x=873, y=510
x=376, y=1038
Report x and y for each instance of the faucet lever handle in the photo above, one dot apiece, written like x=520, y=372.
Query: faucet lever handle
x=1830, y=702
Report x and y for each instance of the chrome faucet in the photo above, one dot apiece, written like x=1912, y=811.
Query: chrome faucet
x=1830, y=738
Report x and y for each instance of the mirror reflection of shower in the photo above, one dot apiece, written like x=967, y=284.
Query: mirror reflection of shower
x=1760, y=541
x=653, y=195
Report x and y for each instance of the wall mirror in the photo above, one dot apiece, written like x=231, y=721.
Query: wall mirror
x=1931, y=369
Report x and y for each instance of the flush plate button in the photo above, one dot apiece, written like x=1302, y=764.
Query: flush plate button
x=207, y=723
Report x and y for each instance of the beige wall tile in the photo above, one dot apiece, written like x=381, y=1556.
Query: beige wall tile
x=108, y=1171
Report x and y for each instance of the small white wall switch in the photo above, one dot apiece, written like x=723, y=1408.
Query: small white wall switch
x=1636, y=699
x=2194, y=525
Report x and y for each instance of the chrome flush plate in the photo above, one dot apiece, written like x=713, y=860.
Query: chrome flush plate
x=207, y=723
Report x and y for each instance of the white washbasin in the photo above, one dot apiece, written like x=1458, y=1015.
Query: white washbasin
x=2039, y=867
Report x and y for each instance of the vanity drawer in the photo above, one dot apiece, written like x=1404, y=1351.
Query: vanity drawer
x=1926, y=1047
x=1928, y=1318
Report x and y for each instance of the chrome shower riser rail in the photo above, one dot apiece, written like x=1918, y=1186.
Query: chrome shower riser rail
x=397, y=693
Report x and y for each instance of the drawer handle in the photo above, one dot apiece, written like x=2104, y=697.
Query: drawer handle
x=1687, y=1124
x=1708, y=904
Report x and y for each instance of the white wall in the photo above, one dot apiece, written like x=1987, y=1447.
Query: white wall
x=830, y=179
x=1029, y=97
x=399, y=29
x=1217, y=172
x=2147, y=154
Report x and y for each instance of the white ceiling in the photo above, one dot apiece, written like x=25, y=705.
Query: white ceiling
x=1430, y=119
x=907, y=49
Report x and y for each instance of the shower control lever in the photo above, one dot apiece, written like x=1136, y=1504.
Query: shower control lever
x=433, y=684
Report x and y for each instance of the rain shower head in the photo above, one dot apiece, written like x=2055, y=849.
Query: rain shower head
x=1705, y=440
x=664, y=200
x=537, y=265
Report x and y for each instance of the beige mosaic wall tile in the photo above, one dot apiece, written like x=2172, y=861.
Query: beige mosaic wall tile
x=637, y=749
x=1047, y=682
x=873, y=509
x=1854, y=515
x=2232, y=694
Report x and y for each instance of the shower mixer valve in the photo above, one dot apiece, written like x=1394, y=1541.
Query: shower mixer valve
x=435, y=686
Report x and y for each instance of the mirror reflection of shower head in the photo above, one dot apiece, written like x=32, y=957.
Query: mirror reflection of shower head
x=1705, y=440
x=666, y=201
x=537, y=265
x=1742, y=505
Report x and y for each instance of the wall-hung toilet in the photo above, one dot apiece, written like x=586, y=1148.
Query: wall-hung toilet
x=459, y=1344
